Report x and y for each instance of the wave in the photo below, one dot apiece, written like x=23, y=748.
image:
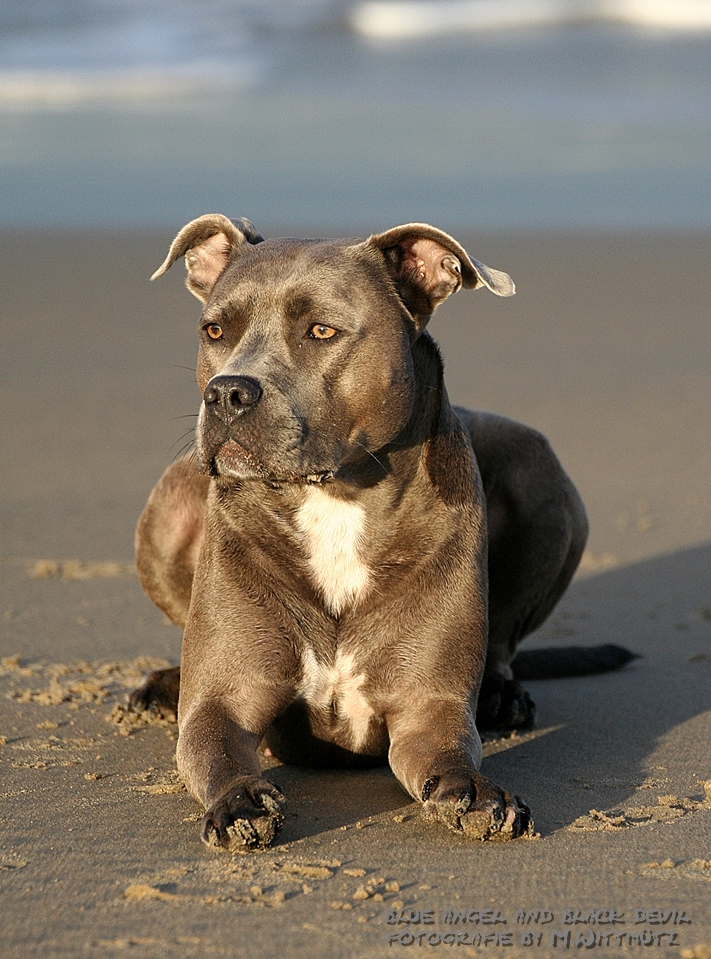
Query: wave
x=70, y=88
x=409, y=19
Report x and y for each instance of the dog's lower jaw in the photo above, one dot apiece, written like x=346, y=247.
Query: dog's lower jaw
x=233, y=461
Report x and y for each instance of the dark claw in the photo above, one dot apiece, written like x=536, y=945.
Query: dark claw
x=208, y=833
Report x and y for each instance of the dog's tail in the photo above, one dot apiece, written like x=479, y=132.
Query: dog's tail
x=557, y=663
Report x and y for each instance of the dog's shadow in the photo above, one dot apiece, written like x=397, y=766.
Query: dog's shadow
x=596, y=737
x=322, y=800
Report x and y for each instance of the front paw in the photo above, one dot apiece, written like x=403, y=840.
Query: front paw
x=470, y=804
x=247, y=817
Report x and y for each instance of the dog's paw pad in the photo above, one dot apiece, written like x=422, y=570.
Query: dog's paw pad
x=242, y=832
x=482, y=821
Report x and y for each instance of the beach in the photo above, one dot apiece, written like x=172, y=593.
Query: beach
x=606, y=349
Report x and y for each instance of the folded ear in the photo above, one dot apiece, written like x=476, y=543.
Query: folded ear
x=428, y=265
x=207, y=244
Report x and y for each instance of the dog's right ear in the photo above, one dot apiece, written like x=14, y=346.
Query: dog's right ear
x=207, y=244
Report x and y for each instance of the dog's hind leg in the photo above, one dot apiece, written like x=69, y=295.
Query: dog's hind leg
x=527, y=579
x=168, y=539
x=537, y=533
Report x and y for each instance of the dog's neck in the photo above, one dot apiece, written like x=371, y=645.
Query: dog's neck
x=344, y=524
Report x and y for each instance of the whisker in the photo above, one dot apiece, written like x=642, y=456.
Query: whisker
x=186, y=433
x=373, y=455
x=362, y=446
x=188, y=461
x=183, y=450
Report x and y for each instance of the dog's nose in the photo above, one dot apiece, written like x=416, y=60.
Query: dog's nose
x=231, y=396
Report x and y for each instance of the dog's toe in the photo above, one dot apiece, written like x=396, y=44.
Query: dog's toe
x=500, y=822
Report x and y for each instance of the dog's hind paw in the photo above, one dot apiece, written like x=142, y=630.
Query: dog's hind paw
x=248, y=817
x=503, y=705
x=158, y=694
x=474, y=807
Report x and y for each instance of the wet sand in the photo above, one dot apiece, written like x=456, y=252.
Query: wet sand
x=606, y=349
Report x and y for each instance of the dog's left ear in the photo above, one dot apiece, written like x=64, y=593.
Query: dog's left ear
x=428, y=265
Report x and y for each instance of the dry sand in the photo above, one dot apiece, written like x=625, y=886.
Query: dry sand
x=607, y=349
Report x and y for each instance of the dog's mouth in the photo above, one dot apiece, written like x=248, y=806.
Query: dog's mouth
x=316, y=478
x=234, y=461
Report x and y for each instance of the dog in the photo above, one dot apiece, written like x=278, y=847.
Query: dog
x=353, y=560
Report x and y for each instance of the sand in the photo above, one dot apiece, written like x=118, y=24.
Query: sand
x=606, y=349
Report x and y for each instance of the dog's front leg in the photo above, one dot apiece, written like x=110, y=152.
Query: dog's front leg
x=435, y=752
x=217, y=758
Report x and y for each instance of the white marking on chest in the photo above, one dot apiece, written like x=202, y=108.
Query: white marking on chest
x=338, y=688
x=333, y=531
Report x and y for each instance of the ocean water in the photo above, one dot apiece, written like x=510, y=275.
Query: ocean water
x=345, y=114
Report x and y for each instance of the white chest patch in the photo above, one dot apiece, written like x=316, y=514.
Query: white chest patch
x=338, y=687
x=333, y=531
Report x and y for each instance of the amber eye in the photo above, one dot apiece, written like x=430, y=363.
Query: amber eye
x=320, y=332
x=214, y=331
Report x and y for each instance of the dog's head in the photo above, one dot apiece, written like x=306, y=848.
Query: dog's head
x=305, y=361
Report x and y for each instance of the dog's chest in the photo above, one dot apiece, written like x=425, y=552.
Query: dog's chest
x=337, y=688
x=332, y=538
